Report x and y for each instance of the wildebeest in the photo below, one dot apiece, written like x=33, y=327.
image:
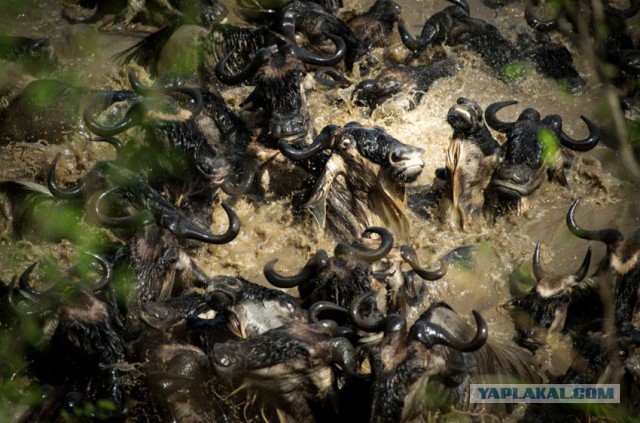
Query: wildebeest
x=418, y=371
x=619, y=264
x=175, y=154
x=336, y=279
x=362, y=183
x=411, y=80
x=291, y=368
x=472, y=157
x=49, y=109
x=278, y=75
x=551, y=301
x=374, y=26
x=533, y=150
x=252, y=309
x=87, y=329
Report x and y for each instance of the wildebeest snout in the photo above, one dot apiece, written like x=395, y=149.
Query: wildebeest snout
x=406, y=162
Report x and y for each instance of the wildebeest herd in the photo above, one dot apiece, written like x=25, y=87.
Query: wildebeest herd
x=211, y=151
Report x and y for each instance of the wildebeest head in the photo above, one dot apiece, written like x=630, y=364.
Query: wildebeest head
x=87, y=329
x=177, y=146
x=404, y=360
x=363, y=181
x=439, y=354
x=414, y=80
x=291, y=366
x=107, y=178
x=472, y=157
x=532, y=149
x=278, y=74
x=546, y=306
x=622, y=262
x=336, y=279
x=374, y=26
x=252, y=309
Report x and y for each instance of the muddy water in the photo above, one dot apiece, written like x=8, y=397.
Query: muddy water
x=268, y=228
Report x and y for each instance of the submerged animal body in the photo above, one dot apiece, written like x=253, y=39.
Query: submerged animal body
x=412, y=80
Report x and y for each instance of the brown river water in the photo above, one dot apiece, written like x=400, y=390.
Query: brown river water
x=610, y=195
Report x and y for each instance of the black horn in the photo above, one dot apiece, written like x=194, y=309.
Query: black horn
x=585, y=144
x=183, y=228
x=386, y=243
x=58, y=192
x=409, y=255
x=490, y=116
x=321, y=142
x=132, y=118
x=611, y=237
x=392, y=323
x=538, y=271
x=430, y=334
x=318, y=260
x=233, y=79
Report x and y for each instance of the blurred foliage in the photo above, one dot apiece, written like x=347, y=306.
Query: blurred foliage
x=550, y=146
x=514, y=72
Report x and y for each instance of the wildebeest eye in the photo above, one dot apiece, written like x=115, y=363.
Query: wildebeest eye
x=346, y=143
x=290, y=307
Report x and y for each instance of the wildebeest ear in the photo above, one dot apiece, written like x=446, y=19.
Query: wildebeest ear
x=317, y=203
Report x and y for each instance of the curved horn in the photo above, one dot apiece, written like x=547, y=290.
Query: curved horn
x=24, y=282
x=493, y=121
x=322, y=306
x=144, y=91
x=59, y=193
x=107, y=272
x=248, y=175
x=184, y=228
x=392, y=323
x=24, y=286
x=431, y=334
x=585, y=144
x=584, y=267
x=124, y=221
x=610, y=237
x=409, y=255
x=132, y=118
x=332, y=79
x=195, y=94
x=386, y=243
x=230, y=79
x=138, y=86
x=313, y=59
x=538, y=271
x=318, y=260
x=321, y=142
x=343, y=353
